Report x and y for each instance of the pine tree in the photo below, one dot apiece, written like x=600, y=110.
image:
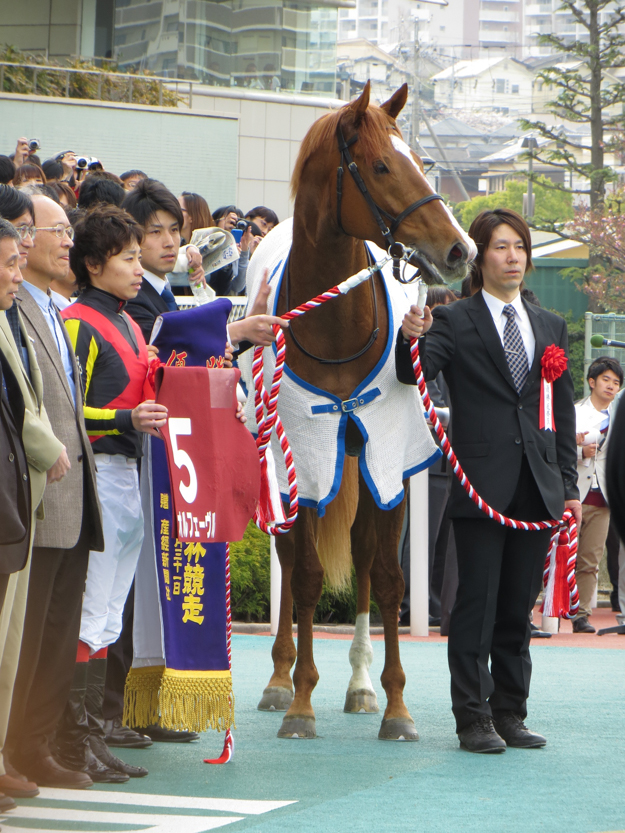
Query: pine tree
x=585, y=95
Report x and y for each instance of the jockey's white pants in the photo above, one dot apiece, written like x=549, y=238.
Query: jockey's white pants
x=111, y=572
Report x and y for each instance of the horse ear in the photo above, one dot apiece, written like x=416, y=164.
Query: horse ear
x=359, y=106
x=396, y=102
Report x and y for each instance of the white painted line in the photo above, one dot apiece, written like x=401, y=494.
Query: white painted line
x=176, y=802
x=155, y=823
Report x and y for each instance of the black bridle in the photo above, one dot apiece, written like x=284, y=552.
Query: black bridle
x=379, y=214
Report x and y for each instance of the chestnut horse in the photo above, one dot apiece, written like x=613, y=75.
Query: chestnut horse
x=330, y=224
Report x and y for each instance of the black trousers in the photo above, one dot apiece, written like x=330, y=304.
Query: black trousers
x=48, y=652
x=499, y=578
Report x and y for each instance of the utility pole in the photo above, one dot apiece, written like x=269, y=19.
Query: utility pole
x=416, y=86
x=530, y=143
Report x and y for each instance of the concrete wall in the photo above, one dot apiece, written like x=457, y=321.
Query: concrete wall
x=188, y=151
x=232, y=147
x=271, y=128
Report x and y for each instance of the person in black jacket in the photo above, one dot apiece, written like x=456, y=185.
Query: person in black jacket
x=489, y=348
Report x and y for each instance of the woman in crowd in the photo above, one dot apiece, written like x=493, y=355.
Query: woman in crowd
x=29, y=174
x=196, y=214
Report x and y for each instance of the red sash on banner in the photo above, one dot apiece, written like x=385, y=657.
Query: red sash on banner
x=213, y=461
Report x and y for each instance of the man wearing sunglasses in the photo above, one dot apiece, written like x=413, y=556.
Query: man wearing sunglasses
x=72, y=525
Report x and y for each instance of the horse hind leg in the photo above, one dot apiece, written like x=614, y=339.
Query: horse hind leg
x=361, y=697
x=278, y=695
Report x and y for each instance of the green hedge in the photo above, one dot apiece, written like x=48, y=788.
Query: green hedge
x=250, y=585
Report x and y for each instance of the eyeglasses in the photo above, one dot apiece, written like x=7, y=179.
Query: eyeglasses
x=26, y=231
x=59, y=230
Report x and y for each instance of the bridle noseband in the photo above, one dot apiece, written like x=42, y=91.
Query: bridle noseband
x=378, y=213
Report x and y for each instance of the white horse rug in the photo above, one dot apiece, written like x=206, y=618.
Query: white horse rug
x=389, y=415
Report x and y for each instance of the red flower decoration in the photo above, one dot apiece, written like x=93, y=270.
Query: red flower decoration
x=554, y=363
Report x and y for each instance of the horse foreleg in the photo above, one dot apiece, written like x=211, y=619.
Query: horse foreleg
x=361, y=697
x=278, y=695
x=380, y=530
x=306, y=583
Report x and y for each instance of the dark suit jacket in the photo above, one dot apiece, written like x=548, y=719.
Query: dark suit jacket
x=494, y=425
x=146, y=308
x=15, y=509
x=615, y=468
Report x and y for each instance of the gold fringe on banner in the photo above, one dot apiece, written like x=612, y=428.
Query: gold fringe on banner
x=141, y=695
x=194, y=701
x=197, y=700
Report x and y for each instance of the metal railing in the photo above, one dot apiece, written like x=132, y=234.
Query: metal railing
x=239, y=305
x=180, y=88
x=610, y=326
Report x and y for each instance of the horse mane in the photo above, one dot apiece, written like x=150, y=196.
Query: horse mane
x=373, y=137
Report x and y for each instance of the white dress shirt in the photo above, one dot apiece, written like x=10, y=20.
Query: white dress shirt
x=158, y=283
x=50, y=313
x=495, y=306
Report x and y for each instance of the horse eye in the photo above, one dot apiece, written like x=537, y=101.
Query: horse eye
x=380, y=168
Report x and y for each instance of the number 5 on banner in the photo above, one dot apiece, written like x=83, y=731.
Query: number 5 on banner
x=182, y=427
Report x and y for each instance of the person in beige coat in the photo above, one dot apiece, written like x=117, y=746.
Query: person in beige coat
x=71, y=528
x=593, y=416
x=46, y=456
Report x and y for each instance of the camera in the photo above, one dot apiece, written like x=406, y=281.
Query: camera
x=34, y=145
x=90, y=163
x=245, y=224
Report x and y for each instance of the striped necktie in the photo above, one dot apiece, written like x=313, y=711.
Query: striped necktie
x=515, y=349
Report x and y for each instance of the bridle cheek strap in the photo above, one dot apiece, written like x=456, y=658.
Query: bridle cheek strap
x=378, y=213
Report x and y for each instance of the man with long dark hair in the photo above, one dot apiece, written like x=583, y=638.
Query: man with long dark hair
x=489, y=349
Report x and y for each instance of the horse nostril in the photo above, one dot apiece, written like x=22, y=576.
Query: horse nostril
x=456, y=253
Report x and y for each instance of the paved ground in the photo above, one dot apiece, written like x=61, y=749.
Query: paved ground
x=346, y=780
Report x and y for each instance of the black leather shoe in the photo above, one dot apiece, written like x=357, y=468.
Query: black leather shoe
x=103, y=753
x=536, y=633
x=124, y=737
x=582, y=625
x=161, y=735
x=100, y=773
x=515, y=733
x=481, y=736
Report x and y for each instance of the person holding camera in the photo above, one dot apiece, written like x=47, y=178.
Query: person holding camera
x=593, y=416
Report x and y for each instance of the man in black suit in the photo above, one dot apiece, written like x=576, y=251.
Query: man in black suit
x=489, y=348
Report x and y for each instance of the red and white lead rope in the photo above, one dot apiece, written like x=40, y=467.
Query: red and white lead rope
x=266, y=407
x=565, y=529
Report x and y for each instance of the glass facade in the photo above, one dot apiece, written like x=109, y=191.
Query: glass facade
x=279, y=45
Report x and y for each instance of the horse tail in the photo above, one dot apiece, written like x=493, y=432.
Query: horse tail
x=333, y=543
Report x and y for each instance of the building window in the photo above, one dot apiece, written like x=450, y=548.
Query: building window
x=515, y=89
x=500, y=86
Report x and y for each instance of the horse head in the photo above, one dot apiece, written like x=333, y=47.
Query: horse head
x=379, y=191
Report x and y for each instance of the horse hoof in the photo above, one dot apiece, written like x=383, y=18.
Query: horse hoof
x=275, y=699
x=361, y=701
x=398, y=728
x=297, y=727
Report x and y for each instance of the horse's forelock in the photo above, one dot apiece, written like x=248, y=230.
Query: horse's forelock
x=373, y=137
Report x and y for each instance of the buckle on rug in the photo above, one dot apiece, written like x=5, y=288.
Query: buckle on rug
x=350, y=405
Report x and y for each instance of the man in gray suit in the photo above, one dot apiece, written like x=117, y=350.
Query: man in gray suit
x=71, y=527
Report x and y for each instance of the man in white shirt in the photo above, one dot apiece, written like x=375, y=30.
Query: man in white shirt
x=593, y=414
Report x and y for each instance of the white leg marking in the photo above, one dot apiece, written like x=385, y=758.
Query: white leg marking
x=361, y=655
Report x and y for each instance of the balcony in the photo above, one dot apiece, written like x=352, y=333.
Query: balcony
x=538, y=9
x=498, y=17
x=488, y=36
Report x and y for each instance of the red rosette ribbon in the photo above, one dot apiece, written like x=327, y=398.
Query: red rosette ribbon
x=553, y=363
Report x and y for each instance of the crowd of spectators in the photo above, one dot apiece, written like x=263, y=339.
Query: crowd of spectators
x=85, y=262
